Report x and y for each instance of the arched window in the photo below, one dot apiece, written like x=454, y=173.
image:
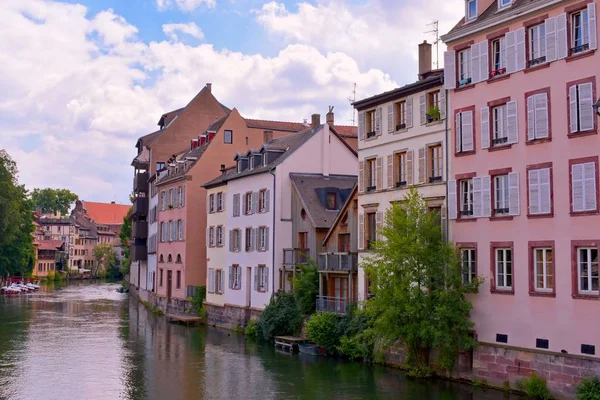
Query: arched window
x=178, y=259
x=170, y=258
x=161, y=259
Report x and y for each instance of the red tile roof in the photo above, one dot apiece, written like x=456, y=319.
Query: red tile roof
x=275, y=125
x=48, y=244
x=346, y=130
x=106, y=213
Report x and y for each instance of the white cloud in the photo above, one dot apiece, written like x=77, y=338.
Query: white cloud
x=185, y=5
x=189, y=29
x=77, y=90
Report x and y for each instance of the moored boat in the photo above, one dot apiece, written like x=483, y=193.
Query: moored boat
x=312, y=349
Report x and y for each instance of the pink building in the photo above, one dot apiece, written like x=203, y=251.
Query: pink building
x=523, y=192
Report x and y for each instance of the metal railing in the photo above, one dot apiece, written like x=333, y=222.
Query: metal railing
x=338, y=262
x=336, y=305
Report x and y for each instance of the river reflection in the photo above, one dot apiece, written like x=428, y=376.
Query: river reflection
x=86, y=341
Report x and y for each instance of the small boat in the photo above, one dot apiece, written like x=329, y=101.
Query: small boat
x=312, y=349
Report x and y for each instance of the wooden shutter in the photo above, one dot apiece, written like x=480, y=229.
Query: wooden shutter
x=450, y=70
x=542, y=130
x=531, y=117
x=592, y=25
x=422, y=174
x=183, y=196
x=511, y=53
x=467, y=130
x=266, y=278
x=586, y=111
x=562, y=42
x=379, y=173
x=256, y=279
x=379, y=221
x=361, y=125
x=475, y=68
x=361, y=231
x=484, y=63
x=267, y=238
x=231, y=232
x=230, y=277
x=485, y=127
x=589, y=185
x=452, y=199
x=255, y=196
x=534, y=191
x=390, y=118
x=267, y=200
x=223, y=200
x=512, y=122
x=409, y=112
x=545, y=195
x=513, y=193
x=390, y=171
x=254, y=240
x=211, y=280
x=477, y=195
x=409, y=168
x=577, y=190
x=550, y=29
x=521, y=54
x=239, y=278
x=486, y=196
x=361, y=180
x=442, y=104
x=573, y=125
x=458, y=131
x=423, y=109
x=208, y=204
x=378, y=129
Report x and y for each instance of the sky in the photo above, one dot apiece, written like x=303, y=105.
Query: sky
x=81, y=80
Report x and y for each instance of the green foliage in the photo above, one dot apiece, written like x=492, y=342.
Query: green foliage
x=357, y=338
x=198, y=300
x=105, y=257
x=253, y=331
x=535, y=387
x=52, y=201
x=589, y=389
x=281, y=317
x=434, y=113
x=125, y=234
x=306, y=288
x=322, y=328
x=419, y=298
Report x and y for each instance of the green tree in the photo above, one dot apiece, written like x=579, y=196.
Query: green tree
x=419, y=298
x=306, y=288
x=125, y=236
x=53, y=200
x=105, y=257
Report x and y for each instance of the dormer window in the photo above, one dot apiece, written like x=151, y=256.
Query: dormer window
x=251, y=162
x=239, y=167
x=331, y=201
x=472, y=9
x=504, y=3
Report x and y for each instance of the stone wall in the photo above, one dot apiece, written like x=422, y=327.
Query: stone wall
x=229, y=317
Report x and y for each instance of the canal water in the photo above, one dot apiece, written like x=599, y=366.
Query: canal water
x=86, y=341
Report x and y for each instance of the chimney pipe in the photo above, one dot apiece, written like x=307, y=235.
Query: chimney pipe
x=315, y=120
x=268, y=135
x=209, y=87
x=329, y=117
x=222, y=169
x=424, y=59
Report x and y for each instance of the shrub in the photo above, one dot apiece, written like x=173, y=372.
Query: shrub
x=535, y=387
x=589, y=389
x=281, y=317
x=253, y=331
x=50, y=276
x=306, y=288
x=323, y=329
x=357, y=340
x=198, y=300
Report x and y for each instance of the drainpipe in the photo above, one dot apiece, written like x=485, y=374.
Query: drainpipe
x=273, y=231
x=447, y=166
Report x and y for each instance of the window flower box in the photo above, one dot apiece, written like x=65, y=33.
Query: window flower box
x=400, y=126
x=371, y=134
x=400, y=184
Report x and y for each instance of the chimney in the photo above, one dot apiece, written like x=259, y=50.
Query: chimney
x=209, y=87
x=316, y=120
x=112, y=202
x=424, y=59
x=329, y=117
x=267, y=135
x=222, y=169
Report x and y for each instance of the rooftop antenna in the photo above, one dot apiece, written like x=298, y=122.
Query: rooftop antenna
x=436, y=32
x=352, y=99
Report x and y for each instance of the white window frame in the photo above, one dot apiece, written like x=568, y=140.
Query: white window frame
x=504, y=4
x=501, y=195
x=401, y=167
x=464, y=66
x=497, y=45
x=219, y=202
x=262, y=200
x=180, y=228
x=584, y=27
x=469, y=17
x=262, y=237
x=262, y=278
x=236, y=283
x=219, y=281
x=211, y=199
x=468, y=259
x=466, y=197
x=499, y=128
x=219, y=235
x=248, y=203
x=589, y=277
x=546, y=288
x=537, y=42
x=502, y=279
x=211, y=236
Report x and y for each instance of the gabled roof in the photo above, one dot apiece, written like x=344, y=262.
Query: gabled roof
x=275, y=125
x=312, y=190
x=106, y=213
x=346, y=130
x=344, y=210
x=48, y=244
x=169, y=116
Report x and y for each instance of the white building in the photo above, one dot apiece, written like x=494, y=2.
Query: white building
x=150, y=283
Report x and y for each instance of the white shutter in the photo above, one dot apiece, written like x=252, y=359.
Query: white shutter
x=450, y=70
x=511, y=52
x=267, y=200
x=208, y=204
x=378, y=129
x=512, y=122
x=550, y=28
x=442, y=104
x=589, y=185
x=531, y=117
x=541, y=116
x=513, y=193
x=361, y=180
x=211, y=281
x=458, y=131
x=230, y=270
x=475, y=68
x=361, y=125
x=410, y=172
x=255, y=199
x=545, y=201
x=215, y=202
x=485, y=127
x=422, y=166
x=390, y=118
x=223, y=200
x=467, y=131
x=266, y=279
x=409, y=112
x=484, y=62
x=183, y=196
x=534, y=191
x=267, y=238
x=562, y=42
x=592, y=25
x=423, y=109
x=503, y=52
x=586, y=111
x=390, y=171
x=477, y=197
x=239, y=278
x=521, y=55
x=573, y=108
x=361, y=231
x=486, y=196
x=452, y=200
x=379, y=173
x=577, y=187
x=256, y=279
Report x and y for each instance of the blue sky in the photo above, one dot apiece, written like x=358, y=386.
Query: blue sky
x=81, y=80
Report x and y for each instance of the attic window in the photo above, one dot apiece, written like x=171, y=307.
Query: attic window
x=303, y=214
x=504, y=3
x=471, y=13
x=239, y=167
x=228, y=137
x=331, y=201
x=344, y=220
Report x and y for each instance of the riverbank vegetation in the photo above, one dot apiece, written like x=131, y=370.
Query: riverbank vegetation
x=198, y=301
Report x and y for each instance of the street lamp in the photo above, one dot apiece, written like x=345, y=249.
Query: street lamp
x=596, y=107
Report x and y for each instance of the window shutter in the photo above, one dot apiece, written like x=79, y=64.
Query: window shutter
x=513, y=193
x=589, y=185
x=541, y=116
x=422, y=175
x=512, y=122
x=562, y=42
x=256, y=279
x=573, y=108
x=361, y=231
x=592, y=25
x=361, y=181
x=531, y=117
x=390, y=118
x=268, y=200
x=409, y=168
x=379, y=173
x=422, y=109
x=390, y=171
x=231, y=240
x=183, y=196
x=255, y=196
x=267, y=238
x=485, y=127
x=457, y=131
x=361, y=125
x=477, y=195
x=577, y=187
x=378, y=129
x=409, y=112
x=442, y=104
x=379, y=221
x=223, y=200
x=486, y=196
x=586, y=112
x=484, y=63
x=475, y=68
x=544, y=185
x=208, y=204
x=230, y=277
x=239, y=241
x=452, y=200
x=511, y=53
x=520, y=49
x=551, y=42
x=444, y=222
x=467, y=131
x=266, y=278
x=534, y=191
x=450, y=70
x=176, y=198
x=239, y=278
x=211, y=281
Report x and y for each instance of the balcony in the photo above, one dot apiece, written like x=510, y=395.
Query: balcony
x=293, y=257
x=338, y=262
x=139, y=252
x=139, y=229
x=336, y=305
x=140, y=206
x=140, y=182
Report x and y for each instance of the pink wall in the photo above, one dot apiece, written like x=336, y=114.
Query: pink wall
x=566, y=322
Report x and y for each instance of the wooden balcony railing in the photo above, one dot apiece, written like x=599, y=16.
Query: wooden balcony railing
x=293, y=257
x=347, y=262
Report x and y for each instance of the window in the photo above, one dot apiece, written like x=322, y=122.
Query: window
x=162, y=200
x=228, y=136
x=248, y=239
x=400, y=115
x=235, y=277
x=435, y=163
x=220, y=202
x=498, y=57
x=174, y=232
x=160, y=166
x=211, y=236
x=211, y=203
x=332, y=201
x=219, y=236
x=401, y=169
x=471, y=9
x=248, y=203
x=433, y=106
x=464, y=131
x=537, y=45
x=468, y=261
x=580, y=31
x=540, y=188
x=178, y=281
x=538, y=116
x=587, y=270
x=504, y=3
x=370, y=174
x=581, y=112
x=499, y=131
x=503, y=268
x=236, y=205
x=263, y=278
x=466, y=197
x=344, y=243
x=543, y=267
x=263, y=237
x=219, y=281
x=160, y=276
x=180, y=226
x=236, y=237
x=263, y=201
x=370, y=123
x=178, y=259
x=501, y=195
x=583, y=187
x=371, y=229
x=464, y=67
